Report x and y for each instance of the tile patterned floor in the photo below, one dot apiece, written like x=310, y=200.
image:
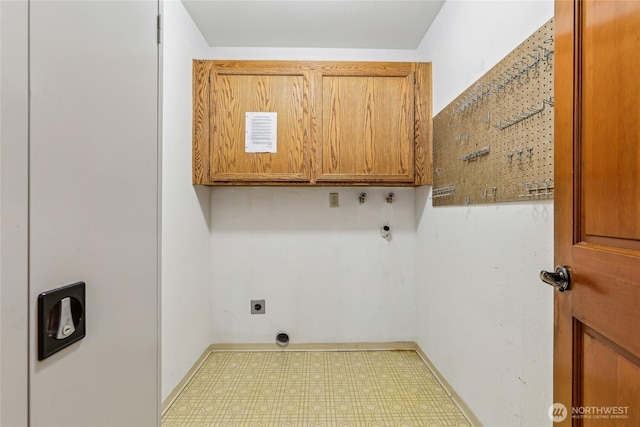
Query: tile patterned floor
x=315, y=389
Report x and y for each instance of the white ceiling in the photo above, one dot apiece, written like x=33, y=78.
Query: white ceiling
x=358, y=24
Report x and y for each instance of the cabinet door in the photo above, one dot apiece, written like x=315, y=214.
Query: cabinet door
x=268, y=87
x=366, y=123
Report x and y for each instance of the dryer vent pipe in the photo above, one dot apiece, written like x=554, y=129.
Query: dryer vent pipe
x=282, y=338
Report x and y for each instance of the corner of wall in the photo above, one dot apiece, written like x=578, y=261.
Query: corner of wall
x=186, y=278
x=483, y=317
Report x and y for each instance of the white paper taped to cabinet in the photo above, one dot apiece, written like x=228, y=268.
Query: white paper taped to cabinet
x=261, y=132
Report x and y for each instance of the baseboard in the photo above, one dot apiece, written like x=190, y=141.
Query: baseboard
x=464, y=408
x=366, y=346
x=397, y=345
x=166, y=404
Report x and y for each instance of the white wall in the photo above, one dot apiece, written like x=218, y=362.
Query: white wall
x=484, y=318
x=186, y=280
x=326, y=274
x=312, y=54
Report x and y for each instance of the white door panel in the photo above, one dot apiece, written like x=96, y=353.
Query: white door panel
x=14, y=138
x=94, y=212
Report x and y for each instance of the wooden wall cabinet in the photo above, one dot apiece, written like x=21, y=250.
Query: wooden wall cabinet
x=338, y=123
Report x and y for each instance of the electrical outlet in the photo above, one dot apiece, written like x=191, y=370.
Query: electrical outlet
x=334, y=200
x=257, y=306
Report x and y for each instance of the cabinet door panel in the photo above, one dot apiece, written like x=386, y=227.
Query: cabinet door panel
x=339, y=123
x=367, y=125
x=235, y=94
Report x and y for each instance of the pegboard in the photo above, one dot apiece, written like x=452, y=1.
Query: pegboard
x=494, y=142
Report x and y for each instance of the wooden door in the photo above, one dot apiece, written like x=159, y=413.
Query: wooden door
x=597, y=211
x=366, y=123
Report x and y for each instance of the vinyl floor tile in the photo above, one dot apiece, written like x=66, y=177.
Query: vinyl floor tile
x=314, y=389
